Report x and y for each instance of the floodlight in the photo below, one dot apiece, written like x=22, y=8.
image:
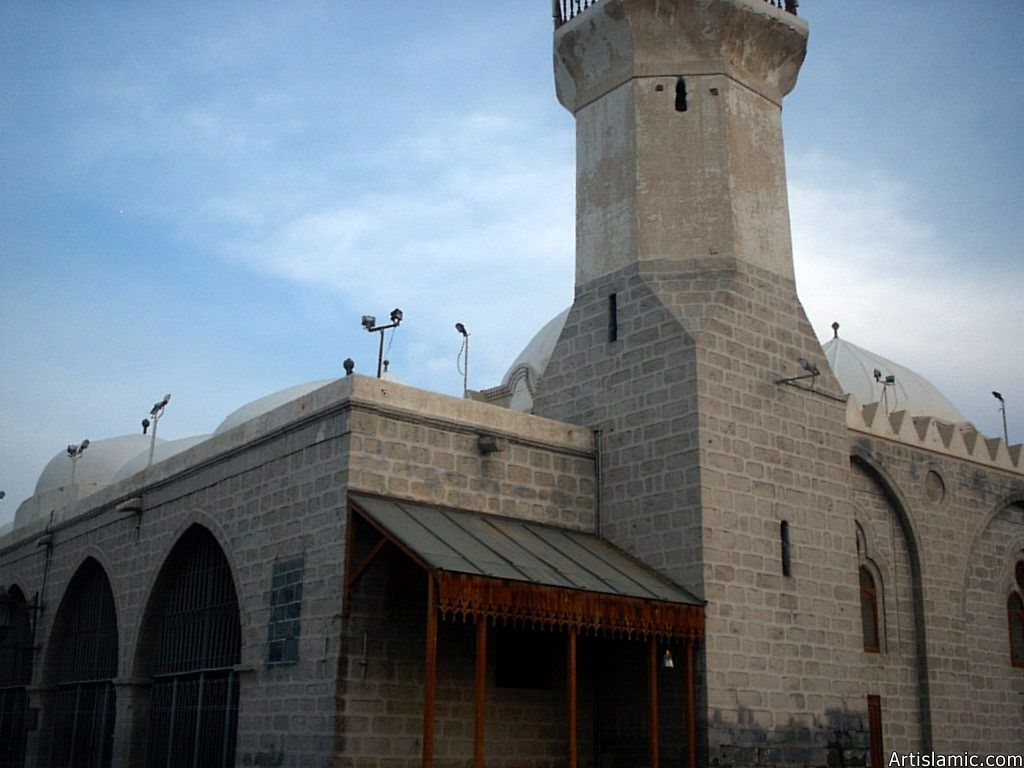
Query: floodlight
x=808, y=366
x=369, y=321
x=396, y=315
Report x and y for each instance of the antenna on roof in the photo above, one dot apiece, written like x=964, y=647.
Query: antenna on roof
x=369, y=322
x=463, y=365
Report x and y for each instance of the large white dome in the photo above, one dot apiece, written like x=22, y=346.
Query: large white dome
x=855, y=368
x=164, y=450
x=98, y=464
x=268, y=403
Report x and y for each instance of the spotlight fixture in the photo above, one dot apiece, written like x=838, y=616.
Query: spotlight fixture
x=156, y=412
x=369, y=322
x=462, y=360
x=808, y=366
x=813, y=372
x=75, y=453
x=1002, y=409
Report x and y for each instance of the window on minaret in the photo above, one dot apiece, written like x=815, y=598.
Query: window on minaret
x=869, y=611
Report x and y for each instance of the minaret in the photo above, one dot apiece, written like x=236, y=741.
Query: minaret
x=684, y=330
x=678, y=111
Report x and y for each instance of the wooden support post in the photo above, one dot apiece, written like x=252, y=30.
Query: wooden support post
x=480, y=693
x=430, y=674
x=691, y=709
x=572, y=700
x=655, y=746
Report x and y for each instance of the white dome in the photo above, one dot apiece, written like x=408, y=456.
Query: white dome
x=98, y=465
x=164, y=450
x=266, y=404
x=528, y=367
x=855, y=368
x=537, y=353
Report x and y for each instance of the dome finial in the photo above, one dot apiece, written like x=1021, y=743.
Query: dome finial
x=835, y=330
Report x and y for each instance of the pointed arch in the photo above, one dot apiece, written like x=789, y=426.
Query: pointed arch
x=862, y=458
x=189, y=645
x=82, y=661
x=15, y=677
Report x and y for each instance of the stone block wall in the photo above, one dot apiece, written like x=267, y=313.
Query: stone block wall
x=272, y=491
x=966, y=520
x=703, y=455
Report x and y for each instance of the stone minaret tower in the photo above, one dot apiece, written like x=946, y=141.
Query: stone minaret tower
x=684, y=323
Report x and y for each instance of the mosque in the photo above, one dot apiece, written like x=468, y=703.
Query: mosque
x=679, y=531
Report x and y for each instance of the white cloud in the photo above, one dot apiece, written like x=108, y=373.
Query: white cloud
x=869, y=259
x=471, y=220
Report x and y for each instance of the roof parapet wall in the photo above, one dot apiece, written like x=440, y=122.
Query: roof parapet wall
x=960, y=441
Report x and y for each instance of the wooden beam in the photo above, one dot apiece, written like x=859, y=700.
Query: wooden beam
x=367, y=562
x=691, y=708
x=572, y=701
x=430, y=674
x=652, y=665
x=480, y=692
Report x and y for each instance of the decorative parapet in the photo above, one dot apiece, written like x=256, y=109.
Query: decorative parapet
x=961, y=441
x=566, y=10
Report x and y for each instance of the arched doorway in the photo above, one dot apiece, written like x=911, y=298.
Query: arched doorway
x=192, y=642
x=83, y=654
x=15, y=676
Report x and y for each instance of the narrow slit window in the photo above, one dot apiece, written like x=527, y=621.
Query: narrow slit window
x=787, y=565
x=681, y=105
x=1015, y=618
x=869, y=611
x=613, y=317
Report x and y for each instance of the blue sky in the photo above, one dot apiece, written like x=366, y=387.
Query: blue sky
x=205, y=200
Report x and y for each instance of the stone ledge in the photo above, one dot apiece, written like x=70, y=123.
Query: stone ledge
x=960, y=441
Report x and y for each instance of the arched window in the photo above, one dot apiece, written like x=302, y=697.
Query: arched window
x=193, y=628
x=869, y=611
x=84, y=644
x=15, y=676
x=1015, y=617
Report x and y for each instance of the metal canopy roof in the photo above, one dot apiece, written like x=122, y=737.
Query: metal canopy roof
x=506, y=568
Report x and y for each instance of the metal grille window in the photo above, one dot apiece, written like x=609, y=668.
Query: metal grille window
x=285, y=612
x=15, y=675
x=197, y=635
x=85, y=637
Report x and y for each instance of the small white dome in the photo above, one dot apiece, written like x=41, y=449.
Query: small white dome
x=855, y=368
x=268, y=403
x=524, y=373
x=98, y=464
x=163, y=450
x=537, y=353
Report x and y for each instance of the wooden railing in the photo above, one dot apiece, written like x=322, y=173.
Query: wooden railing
x=564, y=10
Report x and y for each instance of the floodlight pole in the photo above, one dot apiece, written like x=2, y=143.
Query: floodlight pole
x=156, y=413
x=381, y=329
x=1002, y=410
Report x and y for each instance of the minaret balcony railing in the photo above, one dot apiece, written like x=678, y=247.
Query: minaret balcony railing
x=565, y=10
